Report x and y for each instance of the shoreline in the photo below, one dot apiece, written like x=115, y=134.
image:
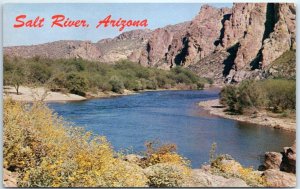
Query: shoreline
x=31, y=94
x=261, y=118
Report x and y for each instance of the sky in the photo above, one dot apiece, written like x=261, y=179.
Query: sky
x=158, y=15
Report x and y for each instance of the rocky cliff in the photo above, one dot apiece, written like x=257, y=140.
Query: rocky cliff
x=225, y=44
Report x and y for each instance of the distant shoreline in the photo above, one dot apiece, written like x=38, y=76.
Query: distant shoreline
x=262, y=118
x=31, y=94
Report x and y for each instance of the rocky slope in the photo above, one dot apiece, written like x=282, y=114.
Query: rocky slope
x=225, y=44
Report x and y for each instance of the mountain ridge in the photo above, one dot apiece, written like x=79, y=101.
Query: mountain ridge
x=238, y=43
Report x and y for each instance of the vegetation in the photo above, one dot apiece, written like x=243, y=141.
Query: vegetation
x=162, y=153
x=48, y=152
x=224, y=165
x=167, y=175
x=284, y=66
x=79, y=76
x=277, y=95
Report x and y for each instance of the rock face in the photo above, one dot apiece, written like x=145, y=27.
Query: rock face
x=155, y=53
x=284, y=34
x=201, y=38
x=238, y=43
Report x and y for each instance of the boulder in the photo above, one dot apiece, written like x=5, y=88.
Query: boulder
x=289, y=159
x=273, y=160
x=203, y=178
x=276, y=178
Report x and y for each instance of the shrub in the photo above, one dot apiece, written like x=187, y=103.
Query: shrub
x=135, y=85
x=117, y=85
x=167, y=175
x=87, y=75
x=281, y=94
x=275, y=94
x=48, y=152
x=226, y=166
x=162, y=153
x=228, y=96
x=76, y=83
x=39, y=73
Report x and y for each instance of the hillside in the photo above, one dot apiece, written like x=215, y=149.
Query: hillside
x=238, y=43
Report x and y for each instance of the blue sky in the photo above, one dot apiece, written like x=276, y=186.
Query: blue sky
x=158, y=15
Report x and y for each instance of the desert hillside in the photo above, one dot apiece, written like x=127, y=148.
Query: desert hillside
x=224, y=44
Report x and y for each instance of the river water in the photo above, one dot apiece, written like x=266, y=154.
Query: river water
x=174, y=117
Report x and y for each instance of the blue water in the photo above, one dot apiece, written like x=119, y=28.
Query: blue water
x=175, y=117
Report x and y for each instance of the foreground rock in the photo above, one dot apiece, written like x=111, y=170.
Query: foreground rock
x=203, y=178
x=284, y=161
x=276, y=178
x=273, y=160
x=281, y=168
x=9, y=178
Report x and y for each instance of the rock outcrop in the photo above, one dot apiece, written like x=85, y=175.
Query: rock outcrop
x=284, y=161
x=276, y=178
x=280, y=168
x=203, y=178
x=238, y=43
x=201, y=38
x=273, y=160
x=283, y=38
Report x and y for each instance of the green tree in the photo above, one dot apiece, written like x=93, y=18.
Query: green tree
x=15, y=78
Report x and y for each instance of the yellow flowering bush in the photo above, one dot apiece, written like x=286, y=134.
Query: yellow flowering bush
x=227, y=167
x=48, y=152
x=163, y=153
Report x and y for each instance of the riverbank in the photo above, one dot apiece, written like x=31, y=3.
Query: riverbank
x=262, y=117
x=30, y=94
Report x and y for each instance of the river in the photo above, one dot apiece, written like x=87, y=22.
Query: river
x=174, y=117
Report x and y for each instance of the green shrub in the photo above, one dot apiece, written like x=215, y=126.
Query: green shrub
x=76, y=83
x=274, y=94
x=117, y=85
x=39, y=73
x=93, y=76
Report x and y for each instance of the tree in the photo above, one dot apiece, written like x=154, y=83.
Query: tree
x=14, y=78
